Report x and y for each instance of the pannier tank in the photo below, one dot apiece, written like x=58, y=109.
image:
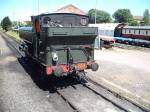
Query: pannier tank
x=61, y=43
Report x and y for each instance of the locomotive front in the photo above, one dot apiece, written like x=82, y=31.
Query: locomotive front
x=62, y=43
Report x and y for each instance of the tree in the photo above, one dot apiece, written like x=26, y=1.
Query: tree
x=101, y=16
x=133, y=23
x=146, y=18
x=15, y=23
x=28, y=23
x=6, y=23
x=123, y=16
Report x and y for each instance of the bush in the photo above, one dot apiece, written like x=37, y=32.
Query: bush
x=133, y=23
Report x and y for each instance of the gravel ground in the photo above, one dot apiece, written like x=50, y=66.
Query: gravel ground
x=87, y=101
x=126, y=69
x=131, y=67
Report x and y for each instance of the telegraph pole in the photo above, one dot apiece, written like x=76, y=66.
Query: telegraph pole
x=13, y=14
x=38, y=6
x=95, y=11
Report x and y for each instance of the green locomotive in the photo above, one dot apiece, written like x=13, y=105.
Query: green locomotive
x=61, y=43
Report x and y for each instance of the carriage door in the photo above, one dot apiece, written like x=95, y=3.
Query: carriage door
x=69, y=21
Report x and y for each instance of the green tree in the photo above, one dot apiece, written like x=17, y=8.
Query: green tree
x=133, y=23
x=101, y=16
x=18, y=23
x=146, y=18
x=15, y=23
x=28, y=23
x=123, y=16
x=6, y=23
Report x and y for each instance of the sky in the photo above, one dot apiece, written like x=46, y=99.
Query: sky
x=21, y=10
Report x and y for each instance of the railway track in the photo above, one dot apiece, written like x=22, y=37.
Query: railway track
x=12, y=44
x=92, y=88
x=130, y=47
x=116, y=99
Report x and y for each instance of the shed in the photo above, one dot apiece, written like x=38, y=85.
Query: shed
x=70, y=9
x=105, y=32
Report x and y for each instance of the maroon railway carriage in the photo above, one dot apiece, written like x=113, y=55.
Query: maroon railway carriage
x=136, y=32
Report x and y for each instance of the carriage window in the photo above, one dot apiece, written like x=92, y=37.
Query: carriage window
x=123, y=31
x=146, y=32
x=141, y=32
x=129, y=31
x=132, y=31
x=136, y=32
x=149, y=32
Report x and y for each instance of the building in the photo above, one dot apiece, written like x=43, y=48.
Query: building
x=106, y=32
x=139, y=19
x=70, y=9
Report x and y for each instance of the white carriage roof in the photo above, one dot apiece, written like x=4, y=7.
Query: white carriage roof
x=105, y=26
x=137, y=27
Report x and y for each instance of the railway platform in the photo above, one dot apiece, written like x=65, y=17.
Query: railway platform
x=125, y=72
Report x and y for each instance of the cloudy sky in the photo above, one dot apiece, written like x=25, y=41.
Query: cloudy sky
x=20, y=10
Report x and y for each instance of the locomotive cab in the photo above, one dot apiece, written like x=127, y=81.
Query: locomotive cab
x=62, y=43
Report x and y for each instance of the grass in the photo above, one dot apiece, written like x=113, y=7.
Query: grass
x=1, y=29
x=13, y=34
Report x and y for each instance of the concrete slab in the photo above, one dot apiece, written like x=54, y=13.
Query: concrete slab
x=125, y=72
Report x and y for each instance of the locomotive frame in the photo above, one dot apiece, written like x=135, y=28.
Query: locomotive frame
x=61, y=43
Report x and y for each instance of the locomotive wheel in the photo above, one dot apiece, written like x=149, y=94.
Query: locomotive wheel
x=94, y=66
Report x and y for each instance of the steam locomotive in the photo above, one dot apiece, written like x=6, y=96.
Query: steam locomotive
x=61, y=43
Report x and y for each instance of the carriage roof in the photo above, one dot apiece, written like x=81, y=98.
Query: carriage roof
x=137, y=27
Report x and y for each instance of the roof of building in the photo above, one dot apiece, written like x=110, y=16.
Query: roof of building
x=70, y=9
x=138, y=18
